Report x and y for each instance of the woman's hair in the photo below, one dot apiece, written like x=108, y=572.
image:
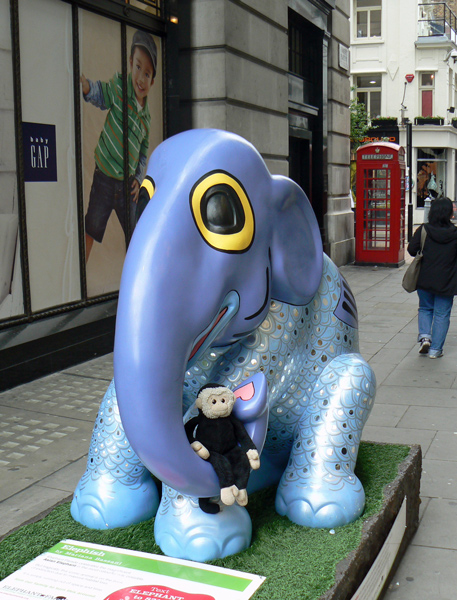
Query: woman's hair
x=440, y=213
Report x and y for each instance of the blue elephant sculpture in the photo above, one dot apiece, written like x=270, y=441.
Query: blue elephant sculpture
x=225, y=281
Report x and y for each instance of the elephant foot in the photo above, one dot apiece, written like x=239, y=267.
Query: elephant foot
x=105, y=503
x=182, y=530
x=318, y=504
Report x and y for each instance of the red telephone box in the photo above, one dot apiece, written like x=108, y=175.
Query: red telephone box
x=380, y=204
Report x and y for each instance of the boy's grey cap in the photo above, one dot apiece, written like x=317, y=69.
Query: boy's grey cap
x=146, y=41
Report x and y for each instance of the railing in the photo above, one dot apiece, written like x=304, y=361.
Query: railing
x=437, y=19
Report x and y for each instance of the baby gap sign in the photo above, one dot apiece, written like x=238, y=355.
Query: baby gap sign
x=40, y=153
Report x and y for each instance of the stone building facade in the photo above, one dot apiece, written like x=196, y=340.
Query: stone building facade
x=274, y=71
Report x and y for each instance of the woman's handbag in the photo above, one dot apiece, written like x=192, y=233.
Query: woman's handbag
x=411, y=275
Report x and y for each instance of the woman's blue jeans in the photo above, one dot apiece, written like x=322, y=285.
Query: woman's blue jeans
x=434, y=317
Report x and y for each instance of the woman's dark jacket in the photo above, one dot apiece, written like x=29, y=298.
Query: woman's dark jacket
x=438, y=272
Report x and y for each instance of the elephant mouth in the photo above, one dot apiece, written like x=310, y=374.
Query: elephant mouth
x=227, y=311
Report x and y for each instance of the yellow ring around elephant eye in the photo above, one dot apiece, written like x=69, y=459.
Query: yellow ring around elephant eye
x=222, y=212
x=149, y=186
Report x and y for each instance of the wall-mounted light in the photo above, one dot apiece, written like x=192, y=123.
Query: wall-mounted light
x=174, y=19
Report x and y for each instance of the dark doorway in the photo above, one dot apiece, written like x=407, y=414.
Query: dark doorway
x=300, y=164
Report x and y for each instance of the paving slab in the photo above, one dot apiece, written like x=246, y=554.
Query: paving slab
x=425, y=574
x=421, y=362
x=390, y=355
x=99, y=368
x=439, y=479
x=412, y=396
x=432, y=418
x=423, y=378
x=401, y=340
x=369, y=348
x=444, y=446
x=386, y=415
x=63, y=395
x=34, y=445
x=404, y=309
x=376, y=334
x=67, y=478
x=26, y=506
x=438, y=528
x=382, y=371
x=396, y=435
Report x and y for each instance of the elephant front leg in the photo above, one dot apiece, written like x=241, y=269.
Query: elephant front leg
x=116, y=490
x=319, y=487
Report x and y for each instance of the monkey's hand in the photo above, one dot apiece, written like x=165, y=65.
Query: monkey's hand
x=200, y=450
x=254, y=460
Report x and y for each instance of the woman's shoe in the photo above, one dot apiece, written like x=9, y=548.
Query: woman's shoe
x=435, y=354
x=425, y=346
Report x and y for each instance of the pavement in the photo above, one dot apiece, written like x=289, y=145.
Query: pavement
x=46, y=426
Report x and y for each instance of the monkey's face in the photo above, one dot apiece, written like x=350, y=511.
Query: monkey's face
x=216, y=402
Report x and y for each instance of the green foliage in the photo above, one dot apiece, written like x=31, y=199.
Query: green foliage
x=360, y=123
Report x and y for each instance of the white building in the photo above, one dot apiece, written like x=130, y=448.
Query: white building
x=403, y=65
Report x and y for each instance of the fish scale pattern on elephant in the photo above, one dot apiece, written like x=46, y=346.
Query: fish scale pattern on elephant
x=249, y=298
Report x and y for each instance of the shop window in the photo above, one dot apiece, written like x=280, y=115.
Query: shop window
x=104, y=163
x=11, y=293
x=68, y=139
x=369, y=93
x=431, y=173
x=426, y=91
x=368, y=18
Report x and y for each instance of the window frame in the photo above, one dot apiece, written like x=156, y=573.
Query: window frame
x=369, y=91
x=368, y=10
x=426, y=88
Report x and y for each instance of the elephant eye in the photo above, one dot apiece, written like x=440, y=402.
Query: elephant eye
x=222, y=212
x=146, y=192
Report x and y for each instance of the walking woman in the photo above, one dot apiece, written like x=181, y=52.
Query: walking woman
x=437, y=283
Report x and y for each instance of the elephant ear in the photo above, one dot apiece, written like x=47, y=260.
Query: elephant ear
x=296, y=252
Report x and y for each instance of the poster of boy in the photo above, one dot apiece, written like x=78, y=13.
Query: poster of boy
x=107, y=188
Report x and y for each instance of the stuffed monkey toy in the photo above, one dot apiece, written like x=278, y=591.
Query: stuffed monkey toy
x=219, y=437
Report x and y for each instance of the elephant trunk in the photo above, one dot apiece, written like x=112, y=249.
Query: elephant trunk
x=154, y=339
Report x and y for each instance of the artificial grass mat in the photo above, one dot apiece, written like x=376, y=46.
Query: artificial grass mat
x=298, y=562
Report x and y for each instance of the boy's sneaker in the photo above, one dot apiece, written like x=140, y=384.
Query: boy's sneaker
x=425, y=346
x=435, y=354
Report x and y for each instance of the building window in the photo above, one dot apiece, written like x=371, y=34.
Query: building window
x=431, y=173
x=369, y=93
x=305, y=57
x=368, y=18
x=426, y=91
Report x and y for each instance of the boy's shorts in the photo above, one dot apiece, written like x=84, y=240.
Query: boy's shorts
x=106, y=195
